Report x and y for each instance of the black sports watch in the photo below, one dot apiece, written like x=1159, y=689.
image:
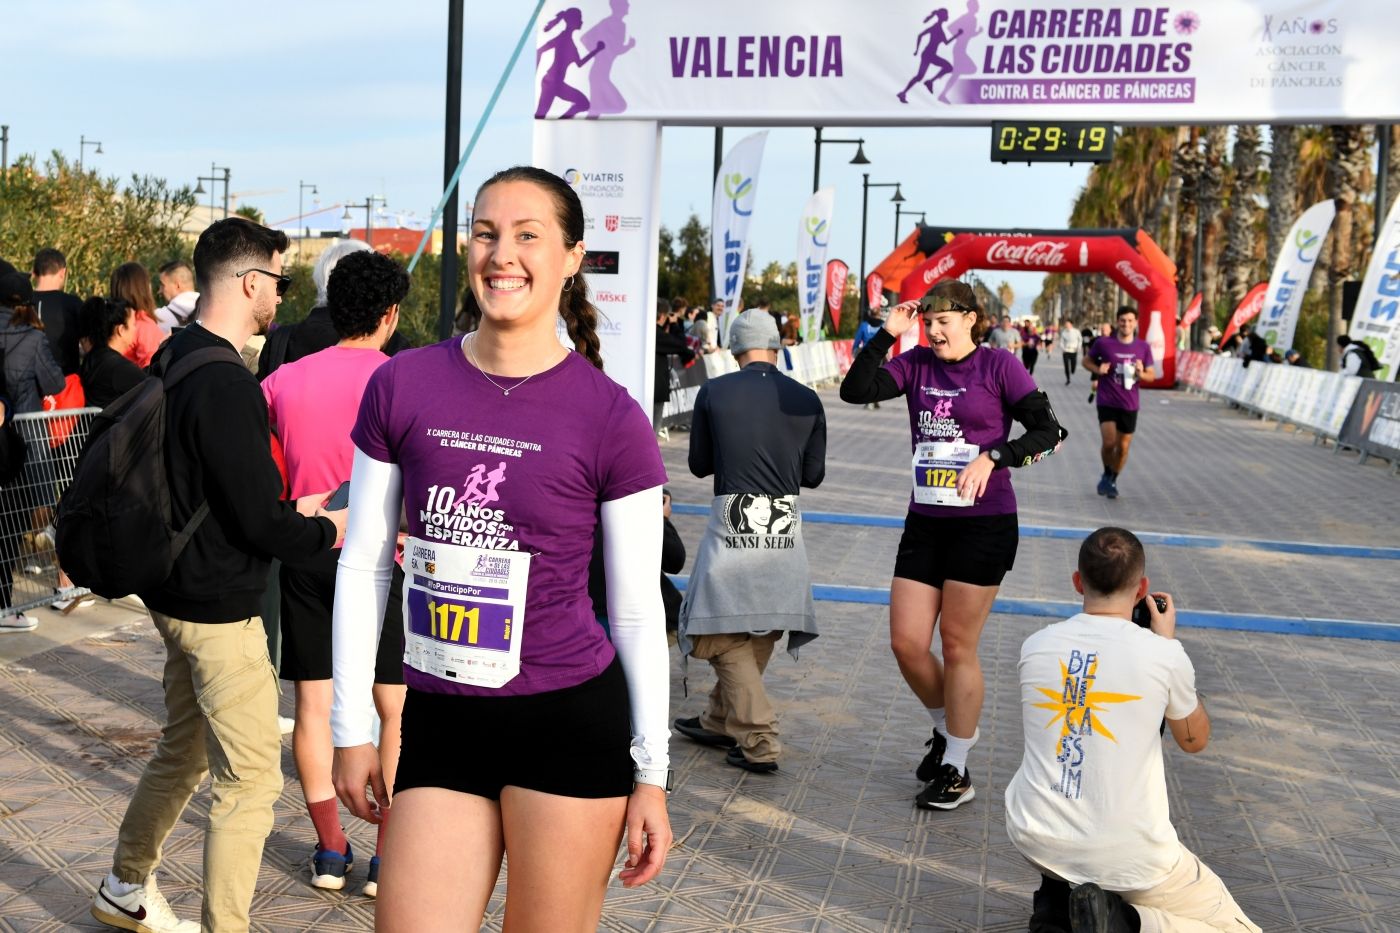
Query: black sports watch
x=995, y=454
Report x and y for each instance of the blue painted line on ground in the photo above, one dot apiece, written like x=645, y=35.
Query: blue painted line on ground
x=1165, y=539
x=1189, y=618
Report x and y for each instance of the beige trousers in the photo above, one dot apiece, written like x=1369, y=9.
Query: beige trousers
x=221, y=719
x=739, y=706
x=1192, y=899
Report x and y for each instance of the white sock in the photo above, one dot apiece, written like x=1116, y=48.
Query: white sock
x=121, y=888
x=940, y=718
x=956, y=752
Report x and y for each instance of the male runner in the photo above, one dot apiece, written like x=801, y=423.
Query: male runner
x=1122, y=361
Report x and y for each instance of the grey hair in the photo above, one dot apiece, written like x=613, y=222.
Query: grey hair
x=333, y=254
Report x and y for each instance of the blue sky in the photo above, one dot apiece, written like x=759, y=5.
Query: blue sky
x=349, y=95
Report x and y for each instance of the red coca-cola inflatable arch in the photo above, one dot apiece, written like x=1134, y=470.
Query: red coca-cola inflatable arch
x=1128, y=257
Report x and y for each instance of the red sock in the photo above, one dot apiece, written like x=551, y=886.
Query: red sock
x=325, y=816
x=383, y=825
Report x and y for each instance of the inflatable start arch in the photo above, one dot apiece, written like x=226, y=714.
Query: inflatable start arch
x=1128, y=257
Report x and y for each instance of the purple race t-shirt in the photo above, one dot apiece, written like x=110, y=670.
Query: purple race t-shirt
x=520, y=472
x=1110, y=349
x=969, y=401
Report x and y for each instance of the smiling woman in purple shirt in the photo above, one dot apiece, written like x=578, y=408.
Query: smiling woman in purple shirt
x=961, y=533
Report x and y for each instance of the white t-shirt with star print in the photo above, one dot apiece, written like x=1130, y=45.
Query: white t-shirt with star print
x=1089, y=802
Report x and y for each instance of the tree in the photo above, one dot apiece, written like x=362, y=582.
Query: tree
x=97, y=224
x=1209, y=199
x=684, y=259
x=1237, y=260
x=1006, y=295
x=1345, y=171
x=252, y=213
x=1283, y=187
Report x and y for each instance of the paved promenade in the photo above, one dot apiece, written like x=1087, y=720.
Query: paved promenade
x=1296, y=803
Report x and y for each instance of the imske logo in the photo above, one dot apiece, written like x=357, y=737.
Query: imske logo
x=1306, y=239
x=736, y=188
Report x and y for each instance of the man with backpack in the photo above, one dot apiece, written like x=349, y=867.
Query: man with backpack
x=1358, y=359
x=220, y=690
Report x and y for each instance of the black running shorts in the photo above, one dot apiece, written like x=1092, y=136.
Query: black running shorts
x=1124, y=419
x=976, y=549
x=308, y=597
x=574, y=742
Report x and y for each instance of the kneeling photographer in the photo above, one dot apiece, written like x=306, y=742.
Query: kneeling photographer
x=1088, y=806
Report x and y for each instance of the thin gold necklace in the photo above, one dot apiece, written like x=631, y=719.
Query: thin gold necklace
x=470, y=340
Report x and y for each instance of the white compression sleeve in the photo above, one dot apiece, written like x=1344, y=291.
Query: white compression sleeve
x=637, y=617
x=361, y=590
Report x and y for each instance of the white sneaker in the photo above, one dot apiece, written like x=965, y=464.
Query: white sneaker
x=17, y=622
x=144, y=910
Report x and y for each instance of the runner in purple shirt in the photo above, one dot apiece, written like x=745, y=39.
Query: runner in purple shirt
x=961, y=533
x=525, y=731
x=1121, y=362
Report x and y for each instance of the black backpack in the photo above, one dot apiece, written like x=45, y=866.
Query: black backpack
x=1369, y=364
x=114, y=531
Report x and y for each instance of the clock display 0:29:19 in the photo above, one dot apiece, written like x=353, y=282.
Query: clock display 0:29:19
x=1014, y=141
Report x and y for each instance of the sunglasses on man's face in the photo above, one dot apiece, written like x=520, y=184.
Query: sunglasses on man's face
x=284, y=282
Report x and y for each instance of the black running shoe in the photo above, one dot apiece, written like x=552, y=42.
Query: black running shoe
x=735, y=756
x=936, y=746
x=947, y=791
x=691, y=729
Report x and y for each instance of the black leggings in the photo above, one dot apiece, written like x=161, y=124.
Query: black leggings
x=1071, y=360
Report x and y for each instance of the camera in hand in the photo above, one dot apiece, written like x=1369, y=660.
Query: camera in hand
x=1142, y=616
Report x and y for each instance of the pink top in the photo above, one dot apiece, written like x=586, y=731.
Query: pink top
x=149, y=337
x=312, y=404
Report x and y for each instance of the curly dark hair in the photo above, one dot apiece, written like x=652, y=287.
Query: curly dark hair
x=362, y=286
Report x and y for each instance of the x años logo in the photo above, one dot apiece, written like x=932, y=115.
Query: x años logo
x=736, y=188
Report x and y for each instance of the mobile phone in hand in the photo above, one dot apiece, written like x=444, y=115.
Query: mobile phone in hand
x=339, y=499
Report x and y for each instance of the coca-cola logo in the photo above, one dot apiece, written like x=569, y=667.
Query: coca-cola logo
x=1138, y=280
x=1044, y=253
x=944, y=266
x=837, y=272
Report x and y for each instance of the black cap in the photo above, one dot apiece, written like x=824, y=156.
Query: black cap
x=15, y=289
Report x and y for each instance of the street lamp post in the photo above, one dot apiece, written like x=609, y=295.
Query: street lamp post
x=83, y=143
x=214, y=170
x=899, y=211
x=865, y=185
x=368, y=208
x=301, y=214
x=199, y=189
x=859, y=158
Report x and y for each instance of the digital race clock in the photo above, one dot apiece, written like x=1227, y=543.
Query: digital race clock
x=1014, y=141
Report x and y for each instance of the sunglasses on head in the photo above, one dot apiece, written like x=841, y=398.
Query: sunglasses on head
x=284, y=282
x=935, y=305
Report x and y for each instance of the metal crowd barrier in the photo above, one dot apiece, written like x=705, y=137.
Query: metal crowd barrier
x=1310, y=399
x=28, y=560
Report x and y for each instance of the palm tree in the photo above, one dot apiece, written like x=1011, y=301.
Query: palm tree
x=1006, y=295
x=1283, y=187
x=1237, y=259
x=1345, y=172
x=1392, y=167
x=1209, y=196
x=1188, y=164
